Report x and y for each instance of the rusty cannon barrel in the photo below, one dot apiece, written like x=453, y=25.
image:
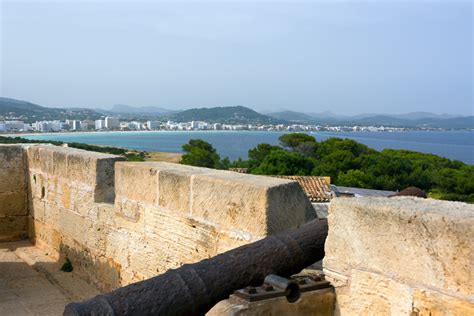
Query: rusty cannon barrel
x=193, y=289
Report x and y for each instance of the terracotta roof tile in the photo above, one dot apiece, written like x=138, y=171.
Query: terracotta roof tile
x=318, y=189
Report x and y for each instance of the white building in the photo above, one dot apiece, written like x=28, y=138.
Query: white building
x=194, y=125
x=203, y=125
x=3, y=127
x=43, y=126
x=112, y=123
x=14, y=126
x=75, y=125
x=153, y=124
x=100, y=124
x=135, y=126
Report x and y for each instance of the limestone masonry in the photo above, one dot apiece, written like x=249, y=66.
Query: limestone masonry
x=403, y=256
x=120, y=222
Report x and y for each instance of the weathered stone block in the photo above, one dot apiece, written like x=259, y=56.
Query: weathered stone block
x=430, y=303
x=33, y=158
x=137, y=181
x=37, y=209
x=81, y=168
x=120, y=243
x=73, y=226
x=367, y=233
x=380, y=250
x=174, y=240
x=175, y=190
x=288, y=206
x=60, y=162
x=247, y=202
x=13, y=228
x=45, y=236
x=46, y=159
x=90, y=169
x=373, y=294
x=228, y=240
x=36, y=182
x=13, y=203
x=12, y=168
x=131, y=210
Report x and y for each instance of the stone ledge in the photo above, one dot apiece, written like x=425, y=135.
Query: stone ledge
x=258, y=204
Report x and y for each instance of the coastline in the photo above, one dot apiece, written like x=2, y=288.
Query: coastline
x=218, y=131
x=455, y=145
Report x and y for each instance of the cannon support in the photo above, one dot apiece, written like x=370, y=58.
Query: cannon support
x=194, y=288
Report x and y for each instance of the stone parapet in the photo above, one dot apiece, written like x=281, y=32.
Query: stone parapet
x=120, y=222
x=258, y=205
x=401, y=256
x=181, y=214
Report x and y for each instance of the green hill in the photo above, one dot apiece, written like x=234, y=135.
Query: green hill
x=228, y=115
x=30, y=112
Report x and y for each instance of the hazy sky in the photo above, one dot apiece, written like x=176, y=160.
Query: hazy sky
x=347, y=57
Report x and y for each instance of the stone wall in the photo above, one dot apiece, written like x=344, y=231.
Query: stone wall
x=401, y=256
x=173, y=214
x=13, y=199
x=120, y=222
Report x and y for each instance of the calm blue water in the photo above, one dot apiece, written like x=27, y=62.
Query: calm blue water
x=457, y=145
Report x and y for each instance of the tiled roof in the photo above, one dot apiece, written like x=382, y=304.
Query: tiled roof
x=318, y=189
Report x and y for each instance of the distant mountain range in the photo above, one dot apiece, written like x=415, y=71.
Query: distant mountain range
x=412, y=120
x=30, y=112
x=122, y=108
x=228, y=115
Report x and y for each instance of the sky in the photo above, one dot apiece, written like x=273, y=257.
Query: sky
x=347, y=57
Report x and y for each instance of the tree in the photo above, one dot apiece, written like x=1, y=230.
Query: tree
x=258, y=154
x=353, y=178
x=293, y=140
x=282, y=162
x=201, y=154
x=301, y=143
x=261, y=151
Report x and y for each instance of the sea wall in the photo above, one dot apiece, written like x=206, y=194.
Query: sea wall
x=120, y=222
x=13, y=198
x=401, y=256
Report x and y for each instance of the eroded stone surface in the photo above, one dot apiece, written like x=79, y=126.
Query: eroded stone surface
x=381, y=253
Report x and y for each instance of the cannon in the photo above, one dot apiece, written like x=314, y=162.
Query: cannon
x=193, y=289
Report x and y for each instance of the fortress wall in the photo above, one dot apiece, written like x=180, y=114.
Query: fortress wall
x=70, y=192
x=401, y=256
x=13, y=199
x=178, y=214
x=120, y=222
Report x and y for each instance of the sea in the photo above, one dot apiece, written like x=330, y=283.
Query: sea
x=456, y=145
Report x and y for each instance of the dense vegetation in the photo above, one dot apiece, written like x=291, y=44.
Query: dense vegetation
x=202, y=154
x=348, y=163
x=130, y=155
